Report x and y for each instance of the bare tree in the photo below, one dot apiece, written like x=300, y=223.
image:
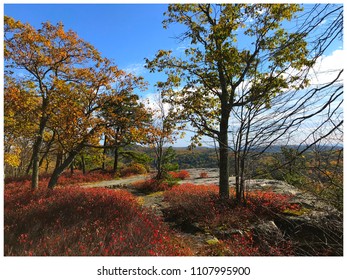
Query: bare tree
x=305, y=116
x=161, y=133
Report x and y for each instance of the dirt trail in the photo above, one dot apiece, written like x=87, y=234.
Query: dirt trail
x=151, y=201
x=155, y=203
x=122, y=181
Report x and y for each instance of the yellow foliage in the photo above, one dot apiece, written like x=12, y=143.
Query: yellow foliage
x=212, y=241
x=12, y=158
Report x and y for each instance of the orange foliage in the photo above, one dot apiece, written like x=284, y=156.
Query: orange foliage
x=151, y=185
x=182, y=174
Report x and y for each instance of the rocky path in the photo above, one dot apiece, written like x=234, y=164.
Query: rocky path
x=196, y=237
x=152, y=201
x=121, y=181
x=299, y=196
x=156, y=203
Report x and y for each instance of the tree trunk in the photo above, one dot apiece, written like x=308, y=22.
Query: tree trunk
x=159, y=169
x=35, y=162
x=103, y=167
x=83, y=164
x=159, y=164
x=47, y=165
x=237, y=172
x=37, y=145
x=71, y=168
x=223, y=132
x=49, y=145
x=115, y=163
x=216, y=151
x=224, y=158
x=59, y=159
x=60, y=168
x=29, y=165
x=241, y=190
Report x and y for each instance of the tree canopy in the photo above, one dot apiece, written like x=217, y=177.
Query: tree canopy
x=67, y=83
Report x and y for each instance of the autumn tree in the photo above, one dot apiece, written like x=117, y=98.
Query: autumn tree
x=50, y=57
x=20, y=121
x=68, y=78
x=127, y=121
x=85, y=122
x=230, y=44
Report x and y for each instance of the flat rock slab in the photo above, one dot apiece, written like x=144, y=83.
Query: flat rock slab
x=121, y=181
x=299, y=196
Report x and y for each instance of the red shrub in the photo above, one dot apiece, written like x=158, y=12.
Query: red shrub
x=132, y=170
x=66, y=179
x=269, y=202
x=75, y=221
x=203, y=175
x=182, y=174
x=191, y=202
x=151, y=185
x=245, y=245
x=201, y=204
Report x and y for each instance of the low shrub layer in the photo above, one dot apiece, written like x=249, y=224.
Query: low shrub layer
x=66, y=179
x=133, y=169
x=202, y=203
x=232, y=222
x=182, y=174
x=152, y=185
x=78, y=222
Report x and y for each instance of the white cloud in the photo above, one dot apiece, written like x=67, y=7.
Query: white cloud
x=325, y=70
x=151, y=100
x=323, y=22
x=327, y=67
x=136, y=69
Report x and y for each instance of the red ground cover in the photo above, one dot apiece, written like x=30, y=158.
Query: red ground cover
x=201, y=204
x=66, y=179
x=75, y=221
x=151, y=185
x=182, y=174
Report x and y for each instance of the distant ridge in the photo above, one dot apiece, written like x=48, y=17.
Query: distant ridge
x=271, y=149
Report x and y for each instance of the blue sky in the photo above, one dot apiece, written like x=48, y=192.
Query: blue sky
x=126, y=33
